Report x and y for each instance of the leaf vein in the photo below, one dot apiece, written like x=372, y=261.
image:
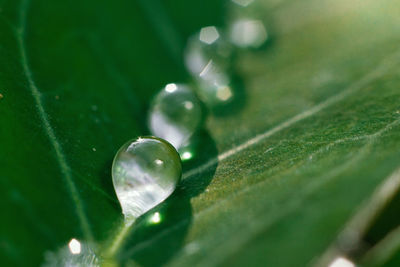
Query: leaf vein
x=61, y=159
x=369, y=77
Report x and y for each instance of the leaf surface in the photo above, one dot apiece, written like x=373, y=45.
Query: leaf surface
x=316, y=132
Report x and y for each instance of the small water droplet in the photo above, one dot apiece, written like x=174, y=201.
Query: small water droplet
x=214, y=85
x=145, y=172
x=248, y=33
x=175, y=115
x=76, y=253
x=209, y=44
x=242, y=3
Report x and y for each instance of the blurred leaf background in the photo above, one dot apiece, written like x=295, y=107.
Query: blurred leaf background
x=276, y=178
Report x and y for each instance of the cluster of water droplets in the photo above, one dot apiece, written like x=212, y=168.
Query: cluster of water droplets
x=209, y=54
x=146, y=170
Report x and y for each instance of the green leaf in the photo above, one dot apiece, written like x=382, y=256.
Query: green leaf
x=316, y=131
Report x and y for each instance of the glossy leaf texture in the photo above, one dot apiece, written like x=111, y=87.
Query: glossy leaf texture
x=314, y=132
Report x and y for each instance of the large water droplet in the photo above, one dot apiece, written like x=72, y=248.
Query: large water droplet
x=145, y=172
x=175, y=115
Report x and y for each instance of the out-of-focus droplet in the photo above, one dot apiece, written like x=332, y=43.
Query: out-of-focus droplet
x=208, y=57
x=145, y=172
x=245, y=28
x=175, y=115
x=74, y=254
x=207, y=45
x=209, y=35
x=248, y=33
x=341, y=262
x=214, y=85
x=243, y=3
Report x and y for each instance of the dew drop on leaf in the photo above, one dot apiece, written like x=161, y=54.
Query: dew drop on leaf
x=75, y=254
x=209, y=44
x=245, y=27
x=176, y=115
x=145, y=172
x=248, y=33
x=208, y=57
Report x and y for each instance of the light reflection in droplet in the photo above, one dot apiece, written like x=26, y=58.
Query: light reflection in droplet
x=186, y=155
x=74, y=246
x=156, y=218
x=341, y=262
x=188, y=105
x=159, y=162
x=224, y=93
x=209, y=35
x=171, y=87
x=243, y=3
x=248, y=33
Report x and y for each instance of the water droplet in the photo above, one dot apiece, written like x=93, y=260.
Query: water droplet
x=75, y=253
x=248, y=33
x=242, y=3
x=145, y=172
x=246, y=29
x=208, y=57
x=175, y=115
x=207, y=45
x=214, y=85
